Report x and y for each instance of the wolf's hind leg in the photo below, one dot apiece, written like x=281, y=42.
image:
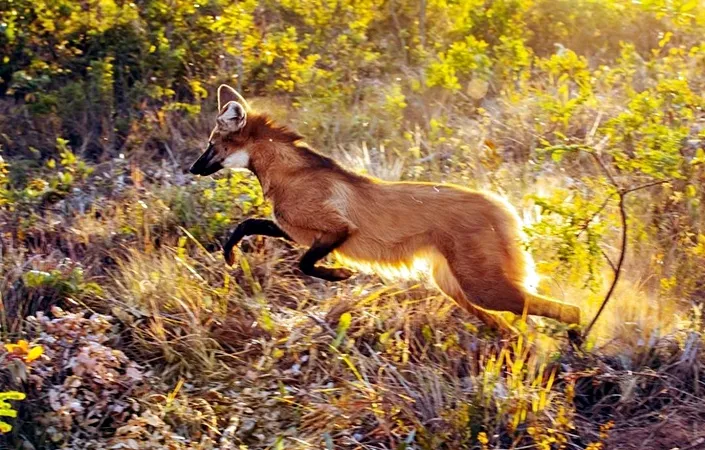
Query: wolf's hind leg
x=501, y=294
x=321, y=248
x=543, y=306
x=448, y=284
x=494, y=291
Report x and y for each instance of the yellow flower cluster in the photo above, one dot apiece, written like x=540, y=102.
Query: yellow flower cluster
x=23, y=350
x=6, y=408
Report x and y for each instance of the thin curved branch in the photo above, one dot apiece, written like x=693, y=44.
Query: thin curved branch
x=604, y=168
x=597, y=213
x=644, y=186
x=622, y=193
x=609, y=260
x=618, y=268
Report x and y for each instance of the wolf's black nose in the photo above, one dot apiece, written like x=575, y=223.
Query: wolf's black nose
x=193, y=169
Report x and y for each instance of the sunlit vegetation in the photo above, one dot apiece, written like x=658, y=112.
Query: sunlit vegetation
x=123, y=327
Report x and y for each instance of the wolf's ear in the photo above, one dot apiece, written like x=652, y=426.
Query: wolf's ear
x=227, y=94
x=232, y=117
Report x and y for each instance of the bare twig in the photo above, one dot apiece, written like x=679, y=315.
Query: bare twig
x=399, y=33
x=167, y=147
x=609, y=261
x=604, y=168
x=593, y=130
x=622, y=193
x=422, y=23
x=597, y=213
x=323, y=324
x=618, y=269
x=647, y=185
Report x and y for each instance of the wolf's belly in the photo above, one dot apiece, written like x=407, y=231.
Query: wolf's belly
x=402, y=261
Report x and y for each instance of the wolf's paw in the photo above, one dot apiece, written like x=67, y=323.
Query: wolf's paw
x=339, y=274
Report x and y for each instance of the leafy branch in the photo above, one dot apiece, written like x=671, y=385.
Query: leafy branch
x=621, y=193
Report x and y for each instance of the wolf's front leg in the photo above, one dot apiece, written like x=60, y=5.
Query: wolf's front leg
x=248, y=227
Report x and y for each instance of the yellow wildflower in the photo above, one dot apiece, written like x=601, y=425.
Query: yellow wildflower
x=22, y=349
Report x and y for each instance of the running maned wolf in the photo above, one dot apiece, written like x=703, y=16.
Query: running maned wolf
x=468, y=240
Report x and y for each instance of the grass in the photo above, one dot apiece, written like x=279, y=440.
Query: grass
x=258, y=356
x=356, y=365
x=263, y=357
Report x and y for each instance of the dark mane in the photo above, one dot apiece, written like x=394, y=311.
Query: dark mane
x=315, y=160
x=262, y=127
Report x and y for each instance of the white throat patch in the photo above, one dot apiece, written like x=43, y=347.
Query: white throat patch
x=238, y=160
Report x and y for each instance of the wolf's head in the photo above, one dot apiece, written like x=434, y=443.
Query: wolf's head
x=222, y=150
x=241, y=136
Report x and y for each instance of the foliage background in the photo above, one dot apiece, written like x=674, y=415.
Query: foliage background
x=555, y=104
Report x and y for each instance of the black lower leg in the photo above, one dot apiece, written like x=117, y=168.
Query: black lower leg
x=575, y=337
x=248, y=227
x=319, y=250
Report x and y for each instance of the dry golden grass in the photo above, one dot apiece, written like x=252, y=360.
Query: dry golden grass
x=352, y=365
x=260, y=357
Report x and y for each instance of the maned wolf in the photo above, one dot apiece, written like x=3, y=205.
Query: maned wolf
x=468, y=240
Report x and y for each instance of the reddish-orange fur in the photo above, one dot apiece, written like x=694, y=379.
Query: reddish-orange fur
x=469, y=240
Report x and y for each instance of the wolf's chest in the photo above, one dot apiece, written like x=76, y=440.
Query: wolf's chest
x=301, y=236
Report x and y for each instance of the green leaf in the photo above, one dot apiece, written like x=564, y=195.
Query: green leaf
x=699, y=157
x=279, y=444
x=690, y=191
x=8, y=412
x=427, y=333
x=557, y=155
x=5, y=427
x=343, y=325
